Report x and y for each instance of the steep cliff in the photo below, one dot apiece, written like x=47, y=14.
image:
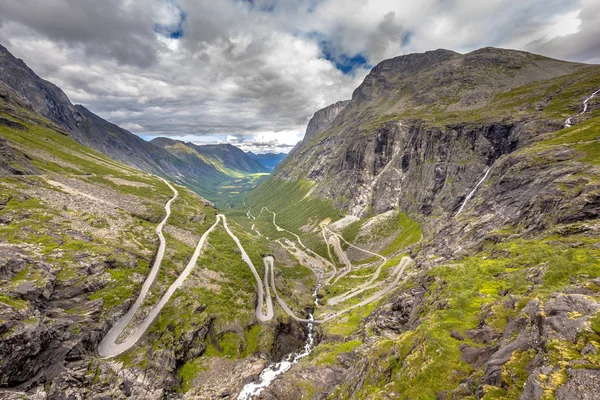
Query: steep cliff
x=502, y=301
x=422, y=128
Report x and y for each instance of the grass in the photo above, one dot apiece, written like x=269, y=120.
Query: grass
x=292, y=203
x=349, y=322
x=475, y=289
x=188, y=372
x=123, y=241
x=404, y=230
x=326, y=354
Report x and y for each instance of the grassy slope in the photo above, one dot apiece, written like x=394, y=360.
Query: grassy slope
x=68, y=235
x=465, y=291
x=473, y=290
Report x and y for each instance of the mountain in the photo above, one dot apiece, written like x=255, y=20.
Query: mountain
x=463, y=162
x=229, y=157
x=49, y=101
x=223, y=172
x=78, y=242
x=269, y=160
x=470, y=100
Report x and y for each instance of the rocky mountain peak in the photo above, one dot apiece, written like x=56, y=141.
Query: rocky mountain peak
x=44, y=97
x=323, y=118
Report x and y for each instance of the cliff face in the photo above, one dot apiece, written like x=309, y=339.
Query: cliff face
x=45, y=98
x=49, y=101
x=506, y=273
x=323, y=118
x=422, y=129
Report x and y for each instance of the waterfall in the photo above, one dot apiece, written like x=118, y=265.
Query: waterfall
x=268, y=375
x=472, y=192
x=569, y=121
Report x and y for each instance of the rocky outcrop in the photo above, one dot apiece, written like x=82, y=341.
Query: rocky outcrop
x=583, y=384
x=13, y=162
x=324, y=118
x=42, y=96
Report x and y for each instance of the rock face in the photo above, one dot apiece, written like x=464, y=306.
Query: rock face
x=390, y=146
x=43, y=97
x=473, y=147
x=11, y=161
x=324, y=118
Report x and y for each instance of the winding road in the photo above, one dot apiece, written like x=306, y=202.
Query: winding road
x=111, y=346
x=394, y=277
x=108, y=346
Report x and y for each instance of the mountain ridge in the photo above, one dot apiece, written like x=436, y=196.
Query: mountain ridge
x=473, y=150
x=269, y=160
x=370, y=110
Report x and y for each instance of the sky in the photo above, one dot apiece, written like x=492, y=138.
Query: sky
x=253, y=72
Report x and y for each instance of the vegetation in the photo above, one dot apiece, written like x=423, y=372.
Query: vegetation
x=292, y=202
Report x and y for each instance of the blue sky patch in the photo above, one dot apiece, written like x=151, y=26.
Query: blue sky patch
x=344, y=62
x=173, y=31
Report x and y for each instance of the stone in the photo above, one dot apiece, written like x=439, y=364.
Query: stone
x=582, y=384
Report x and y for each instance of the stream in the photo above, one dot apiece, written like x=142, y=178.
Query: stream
x=270, y=373
x=472, y=192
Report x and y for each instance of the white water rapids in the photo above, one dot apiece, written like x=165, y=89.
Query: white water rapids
x=269, y=374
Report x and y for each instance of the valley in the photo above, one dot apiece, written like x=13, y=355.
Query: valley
x=436, y=236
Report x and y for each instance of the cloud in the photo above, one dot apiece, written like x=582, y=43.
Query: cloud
x=258, y=70
x=266, y=142
x=388, y=34
x=579, y=35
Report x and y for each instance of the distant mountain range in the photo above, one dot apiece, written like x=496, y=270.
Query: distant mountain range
x=225, y=158
x=202, y=168
x=269, y=160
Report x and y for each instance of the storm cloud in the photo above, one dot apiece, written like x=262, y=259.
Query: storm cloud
x=253, y=72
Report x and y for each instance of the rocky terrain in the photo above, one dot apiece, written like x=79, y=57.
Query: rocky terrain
x=503, y=300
